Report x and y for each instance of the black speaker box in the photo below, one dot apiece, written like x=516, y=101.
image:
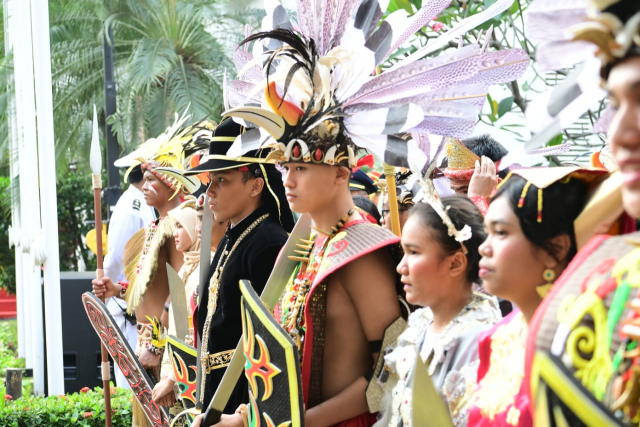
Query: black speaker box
x=80, y=343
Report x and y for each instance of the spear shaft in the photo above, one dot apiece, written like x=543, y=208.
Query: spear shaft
x=96, y=167
x=394, y=213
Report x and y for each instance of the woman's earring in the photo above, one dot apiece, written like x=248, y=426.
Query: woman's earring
x=548, y=276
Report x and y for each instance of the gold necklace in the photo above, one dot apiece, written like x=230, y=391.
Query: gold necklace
x=212, y=302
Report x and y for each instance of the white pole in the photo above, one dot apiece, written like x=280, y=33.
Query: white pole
x=30, y=200
x=16, y=225
x=48, y=199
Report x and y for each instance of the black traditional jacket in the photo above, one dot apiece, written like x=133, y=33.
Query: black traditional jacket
x=252, y=260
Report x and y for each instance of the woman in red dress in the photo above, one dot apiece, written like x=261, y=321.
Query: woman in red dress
x=530, y=241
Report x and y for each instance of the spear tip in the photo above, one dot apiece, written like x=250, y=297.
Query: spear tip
x=95, y=158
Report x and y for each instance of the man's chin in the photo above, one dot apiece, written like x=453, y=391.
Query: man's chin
x=297, y=207
x=219, y=216
x=631, y=201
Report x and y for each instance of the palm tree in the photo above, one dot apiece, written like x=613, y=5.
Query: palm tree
x=170, y=55
x=179, y=52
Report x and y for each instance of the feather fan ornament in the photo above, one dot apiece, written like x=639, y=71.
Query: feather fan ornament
x=318, y=101
x=171, y=151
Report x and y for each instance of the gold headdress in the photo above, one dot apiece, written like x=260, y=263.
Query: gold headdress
x=461, y=160
x=165, y=151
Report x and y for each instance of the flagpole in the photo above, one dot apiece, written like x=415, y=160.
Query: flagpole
x=96, y=169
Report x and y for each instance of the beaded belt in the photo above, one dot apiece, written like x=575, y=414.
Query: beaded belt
x=211, y=362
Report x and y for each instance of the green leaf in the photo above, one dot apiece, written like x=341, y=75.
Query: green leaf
x=505, y=106
x=400, y=4
x=515, y=7
x=556, y=140
x=496, y=22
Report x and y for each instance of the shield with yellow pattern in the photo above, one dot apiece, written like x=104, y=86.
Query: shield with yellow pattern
x=272, y=366
x=184, y=361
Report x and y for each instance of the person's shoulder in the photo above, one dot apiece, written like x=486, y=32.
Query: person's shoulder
x=366, y=236
x=271, y=232
x=131, y=201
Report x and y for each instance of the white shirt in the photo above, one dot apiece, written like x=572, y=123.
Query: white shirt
x=130, y=214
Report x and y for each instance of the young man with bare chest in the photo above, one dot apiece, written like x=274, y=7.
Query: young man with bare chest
x=342, y=295
x=342, y=298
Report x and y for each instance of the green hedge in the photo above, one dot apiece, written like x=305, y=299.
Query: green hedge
x=79, y=409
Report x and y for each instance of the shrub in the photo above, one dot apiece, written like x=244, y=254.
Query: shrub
x=78, y=409
x=8, y=344
x=7, y=257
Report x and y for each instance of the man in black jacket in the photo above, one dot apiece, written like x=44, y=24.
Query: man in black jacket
x=250, y=195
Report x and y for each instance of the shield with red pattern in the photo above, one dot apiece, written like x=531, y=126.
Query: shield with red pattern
x=124, y=356
x=272, y=366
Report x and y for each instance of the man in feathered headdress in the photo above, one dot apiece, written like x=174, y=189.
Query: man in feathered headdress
x=130, y=214
x=153, y=245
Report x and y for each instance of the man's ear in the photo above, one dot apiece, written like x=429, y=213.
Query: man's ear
x=342, y=174
x=256, y=188
x=458, y=264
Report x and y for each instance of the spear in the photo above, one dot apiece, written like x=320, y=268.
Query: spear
x=95, y=160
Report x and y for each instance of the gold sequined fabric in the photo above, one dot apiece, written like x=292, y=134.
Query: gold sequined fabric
x=459, y=157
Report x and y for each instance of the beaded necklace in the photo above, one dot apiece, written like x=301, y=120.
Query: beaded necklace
x=152, y=229
x=294, y=299
x=214, y=287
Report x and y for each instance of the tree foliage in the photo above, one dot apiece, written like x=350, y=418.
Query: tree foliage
x=170, y=56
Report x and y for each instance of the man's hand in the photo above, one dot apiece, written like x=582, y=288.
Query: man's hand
x=148, y=359
x=484, y=178
x=163, y=393
x=105, y=288
x=234, y=420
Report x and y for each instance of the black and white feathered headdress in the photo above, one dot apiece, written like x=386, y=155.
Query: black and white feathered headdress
x=312, y=86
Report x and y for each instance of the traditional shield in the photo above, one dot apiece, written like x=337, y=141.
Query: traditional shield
x=272, y=366
x=560, y=399
x=270, y=294
x=183, y=358
x=125, y=357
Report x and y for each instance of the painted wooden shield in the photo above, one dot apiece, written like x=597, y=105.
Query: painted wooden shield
x=125, y=357
x=272, y=366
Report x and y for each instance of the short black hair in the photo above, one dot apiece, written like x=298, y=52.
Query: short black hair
x=462, y=212
x=364, y=203
x=486, y=145
x=135, y=175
